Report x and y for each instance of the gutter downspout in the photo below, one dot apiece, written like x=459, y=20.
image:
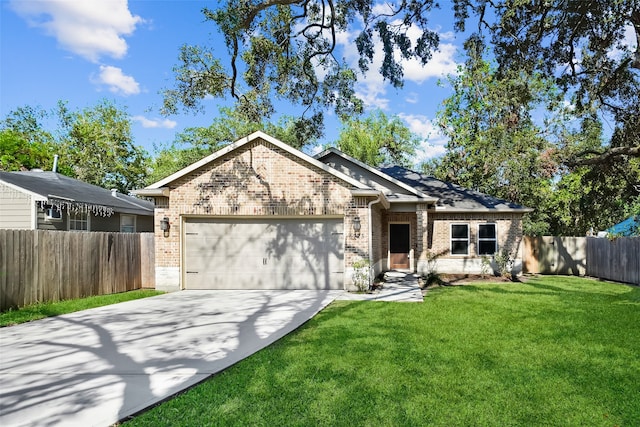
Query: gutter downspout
x=371, y=203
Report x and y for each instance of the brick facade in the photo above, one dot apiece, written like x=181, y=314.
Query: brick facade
x=438, y=240
x=508, y=225
x=259, y=179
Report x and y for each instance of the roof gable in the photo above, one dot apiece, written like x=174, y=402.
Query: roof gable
x=373, y=177
x=246, y=140
x=453, y=197
x=54, y=187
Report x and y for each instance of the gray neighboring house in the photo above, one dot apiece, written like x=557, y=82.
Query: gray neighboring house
x=38, y=200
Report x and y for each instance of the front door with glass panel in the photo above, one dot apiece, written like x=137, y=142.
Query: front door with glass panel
x=399, y=246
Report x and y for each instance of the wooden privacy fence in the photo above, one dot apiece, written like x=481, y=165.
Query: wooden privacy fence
x=555, y=255
x=617, y=259
x=37, y=265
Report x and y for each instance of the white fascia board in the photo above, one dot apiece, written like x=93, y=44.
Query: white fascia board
x=152, y=192
x=35, y=196
x=246, y=140
x=373, y=171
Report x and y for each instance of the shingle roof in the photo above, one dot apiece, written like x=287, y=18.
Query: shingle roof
x=451, y=196
x=54, y=186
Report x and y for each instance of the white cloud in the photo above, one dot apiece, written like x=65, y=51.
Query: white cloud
x=628, y=44
x=117, y=81
x=412, y=98
x=433, y=141
x=87, y=28
x=372, y=88
x=154, y=123
x=442, y=63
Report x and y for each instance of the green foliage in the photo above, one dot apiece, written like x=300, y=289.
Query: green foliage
x=95, y=145
x=285, y=51
x=494, y=145
x=24, y=143
x=504, y=262
x=100, y=147
x=378, y=140
x=195, y=143
x=171, y=158
x=633, y=207
x=17, y=153
x=552, y=351
x=580, y=44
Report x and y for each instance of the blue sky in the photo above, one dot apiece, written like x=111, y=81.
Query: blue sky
x=83, y=51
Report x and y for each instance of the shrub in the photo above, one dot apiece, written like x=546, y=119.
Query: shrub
x=504, y=262
x=361, y=273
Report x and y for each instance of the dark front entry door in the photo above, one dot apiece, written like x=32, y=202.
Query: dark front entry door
x=399, y=246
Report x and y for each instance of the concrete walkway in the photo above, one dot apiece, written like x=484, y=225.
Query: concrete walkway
x=99, y=366
x=397, y=286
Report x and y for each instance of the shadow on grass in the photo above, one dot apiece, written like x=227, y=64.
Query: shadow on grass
x=489, y=354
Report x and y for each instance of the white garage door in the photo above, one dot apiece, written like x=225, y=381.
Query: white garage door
x=256, y=253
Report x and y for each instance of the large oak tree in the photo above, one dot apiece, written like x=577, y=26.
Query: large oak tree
x=287, y=50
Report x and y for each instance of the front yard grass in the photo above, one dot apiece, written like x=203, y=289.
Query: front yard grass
x=48, y=309
x=551, y=351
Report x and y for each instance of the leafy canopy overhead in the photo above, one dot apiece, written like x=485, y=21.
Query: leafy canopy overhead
x=590, y=47
x=378, y=140
x=94, y=145
x=285, y=49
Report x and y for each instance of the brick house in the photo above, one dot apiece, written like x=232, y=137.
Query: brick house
x=259, y=214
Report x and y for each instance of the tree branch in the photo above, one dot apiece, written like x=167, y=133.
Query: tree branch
x=635, y=20
x=246, y=22
x=599, y=157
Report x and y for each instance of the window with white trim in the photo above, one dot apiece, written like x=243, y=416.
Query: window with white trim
x=460, y=239
x=487, y=239
x=127, y=223
x=79, y=220
x=52, y=213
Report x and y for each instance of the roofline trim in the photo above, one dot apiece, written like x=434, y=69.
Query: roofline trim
x=483, y=210
x=245, y=140
x=153, y=192
x=372, y=170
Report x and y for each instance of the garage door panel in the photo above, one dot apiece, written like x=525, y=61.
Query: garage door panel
x=263, y=253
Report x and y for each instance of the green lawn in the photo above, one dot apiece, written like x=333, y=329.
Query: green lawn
x=48, y=309
x=557, y=351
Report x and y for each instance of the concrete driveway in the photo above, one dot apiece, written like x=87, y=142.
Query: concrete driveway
x=96, y=367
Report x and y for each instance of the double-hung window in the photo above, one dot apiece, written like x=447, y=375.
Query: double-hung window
x=460, y=239
x=487, y=239
x=127, y=223
x=79, y=220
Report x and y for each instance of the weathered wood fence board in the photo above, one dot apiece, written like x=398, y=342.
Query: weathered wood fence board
x=555, y=255
x=617, y=259
x=55, y=265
